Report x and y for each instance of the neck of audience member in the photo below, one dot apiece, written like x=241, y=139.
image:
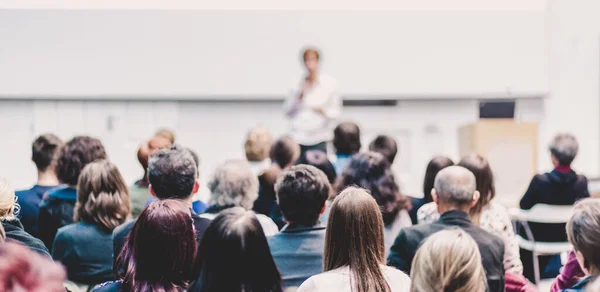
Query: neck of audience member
x=444, y=207
x=47, y=178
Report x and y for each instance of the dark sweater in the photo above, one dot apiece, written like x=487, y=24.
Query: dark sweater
x=554, y=188
x=30, y=200
x=15, y=232
x=56, y=211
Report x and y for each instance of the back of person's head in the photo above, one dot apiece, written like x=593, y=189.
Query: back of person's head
x=385, y=145
x=258, y=143
x=583, y=231
x=448, y=260
x=2, y=234
x=564, y=148
x=346, y=138
x=102, y=196
x=151, y=146
x=302, y=191
x=45, y=150
x=160, y=253
x=233, y=184
x=435, y=165
x=23, y=270
x=8, y=200
x=455, y=186
x=371, y=171
x=354, y=238
x=484, y=179
x=234, y=255
x=284, y=152
x=318, y=159
x=172, y=174
x=166, y=133
x=75, y=155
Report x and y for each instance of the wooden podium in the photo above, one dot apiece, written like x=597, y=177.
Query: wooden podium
x=511, y=149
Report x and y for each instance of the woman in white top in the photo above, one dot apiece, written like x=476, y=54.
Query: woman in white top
x=354, y=238
x=313, y=107
x=234, y=185
x=371, y=170
x=489, y=215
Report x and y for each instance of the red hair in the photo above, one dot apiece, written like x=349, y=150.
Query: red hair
x=23, y=270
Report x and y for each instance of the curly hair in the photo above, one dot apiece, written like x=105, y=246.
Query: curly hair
x=75, y=155
x=371, y=171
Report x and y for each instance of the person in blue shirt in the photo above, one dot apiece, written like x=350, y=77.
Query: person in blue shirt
x=44, y=153
x=346, y=141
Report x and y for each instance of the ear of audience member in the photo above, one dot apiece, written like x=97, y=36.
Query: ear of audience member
x=12, y=226
x=173, y=175
x=346, y=141
x=234, y=185
x=433, y=167
x=298, y=250
x=319, y=160
x=354, y=256
x=454, y=193
x=56, y=209
x=23, y=270
x=371, y=171
x=234, y=255
x=386, y=146
x=102, y=204
x=448, y=260
x=44, y=153
x=160, y=253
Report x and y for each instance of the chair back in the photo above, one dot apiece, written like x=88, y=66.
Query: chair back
x=542, y=213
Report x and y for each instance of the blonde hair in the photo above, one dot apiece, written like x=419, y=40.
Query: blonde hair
x=258, y=143
x=8, y=200
x=448, y=260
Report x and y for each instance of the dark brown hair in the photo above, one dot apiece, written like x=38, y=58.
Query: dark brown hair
x=386, y=146
x=354, y=238
x=371, y=171
x=308, y=51
x=435, y=165
x=23, y=270
x=102, y=196
x=45, y=150
x=284, y=151
x=346, y=138
x=484, y=179
x=75, y=155
x=583, y=231
x=160, y=252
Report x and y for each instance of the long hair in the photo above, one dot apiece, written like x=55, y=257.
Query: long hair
x=160, y=253
x=235, y=257
x=484, y=178
x=354, y=238
x=435, y=165
x=102, y=196
x=448, y=260
x=371, y=171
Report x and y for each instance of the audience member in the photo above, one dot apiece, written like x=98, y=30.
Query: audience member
x=257, y=147
x=583, y=232
x=235, y=185
x=284, y=152
x=570, y=274
x=172, y=174
x=370, y=170
x=386, y=146
x=346, y=141
x=354, y=256
x=486, y=213
x=44, y=153
x=102, y=204
x=561, y=186
x=298, y=250
x=56, y=208
x=436, y=164
x=455, y=194
x=12, y=226
x=166, y=133
x=448, y=260
x=160, y=253
x=23, y=270
x=234, y=256
x=319, y=160
x=139, y=192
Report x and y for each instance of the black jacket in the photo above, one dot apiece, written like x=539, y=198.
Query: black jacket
x=56, y=211
x=15, y=232
x=491, y=247
x=554, y=188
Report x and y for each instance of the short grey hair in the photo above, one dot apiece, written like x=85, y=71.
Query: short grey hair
x=564, y=147
x=455, y=185
x=233, y=184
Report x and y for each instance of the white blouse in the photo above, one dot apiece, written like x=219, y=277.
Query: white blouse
x=339, y=280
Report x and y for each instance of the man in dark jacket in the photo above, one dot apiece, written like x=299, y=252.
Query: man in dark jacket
x=561, y=186
x=455, y=193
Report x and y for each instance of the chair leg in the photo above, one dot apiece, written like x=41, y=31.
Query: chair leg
x=536, y=267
